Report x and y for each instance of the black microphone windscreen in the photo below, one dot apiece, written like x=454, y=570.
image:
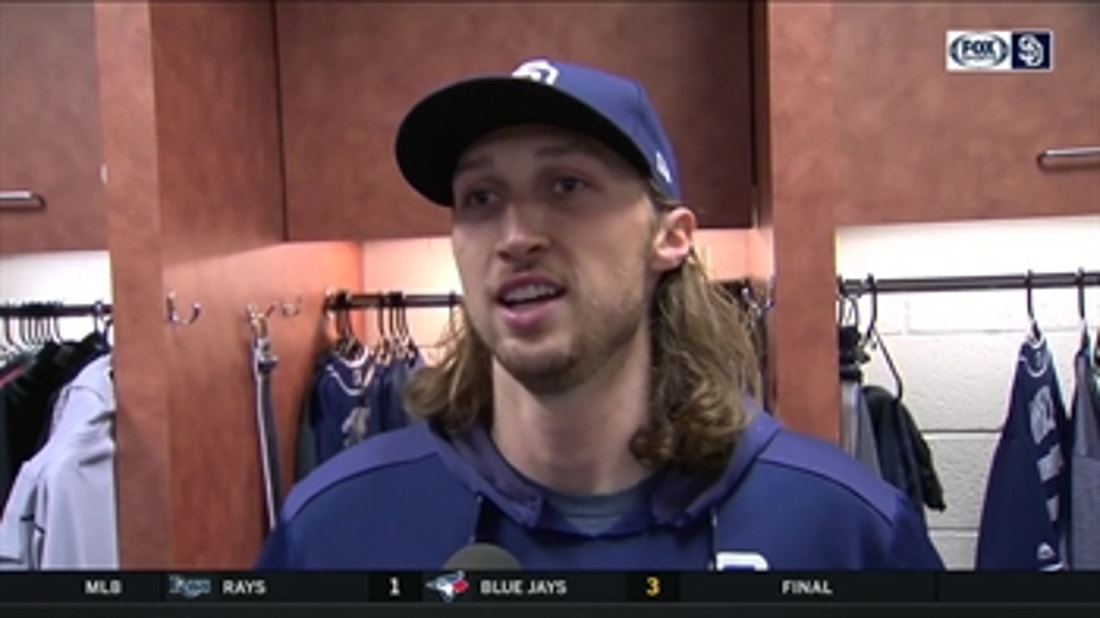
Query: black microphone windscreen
x=483, y=557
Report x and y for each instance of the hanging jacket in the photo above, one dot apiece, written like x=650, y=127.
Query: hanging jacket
x=305, y=457
x=61, y=511
x=904, y=456
x=386, y=398
x=410, y=498
x=29, y=396
x=1024, y=516
x=1084, y=536
x=857, y=432
x=338, y=411
x=12, y=369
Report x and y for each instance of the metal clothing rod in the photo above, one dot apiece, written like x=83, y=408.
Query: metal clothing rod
x=388, y=300
x=53, y=310
x=1034, y=281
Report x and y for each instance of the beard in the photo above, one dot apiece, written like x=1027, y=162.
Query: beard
x=602, y=329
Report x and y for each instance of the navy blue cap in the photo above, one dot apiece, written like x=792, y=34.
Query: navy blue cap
x=609, y=108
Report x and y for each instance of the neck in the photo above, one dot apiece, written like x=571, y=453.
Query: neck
x=577, y=441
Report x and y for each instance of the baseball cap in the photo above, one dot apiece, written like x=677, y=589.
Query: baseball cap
x=610, y=108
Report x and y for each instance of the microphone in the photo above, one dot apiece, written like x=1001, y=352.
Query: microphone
x=482, y=557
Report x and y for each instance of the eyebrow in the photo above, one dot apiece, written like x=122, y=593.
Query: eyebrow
x=545, y=152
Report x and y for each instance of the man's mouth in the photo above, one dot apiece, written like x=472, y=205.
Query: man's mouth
x=528, y=290
x=530, y=294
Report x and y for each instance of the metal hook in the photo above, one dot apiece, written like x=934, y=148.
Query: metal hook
x=173, y=315
x=258, y=319
x=289, y=309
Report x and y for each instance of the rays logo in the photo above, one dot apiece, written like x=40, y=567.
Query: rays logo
x=449, y=586
x=188, y=588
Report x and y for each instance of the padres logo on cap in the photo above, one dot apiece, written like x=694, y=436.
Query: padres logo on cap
x=537, y=70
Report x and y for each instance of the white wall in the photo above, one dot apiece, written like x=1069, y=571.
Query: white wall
x=70, y=277
x=957, y=351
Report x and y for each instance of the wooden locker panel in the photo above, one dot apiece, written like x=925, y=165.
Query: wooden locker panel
x=50, y=129
x=195, y=208
x=918, y=143
x=218, y=505
x=220, y=163
x=349, y=72
x=802, y=195
x=141, y=371
x=221, y=219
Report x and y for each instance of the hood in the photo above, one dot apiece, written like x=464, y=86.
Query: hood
x=678, y=498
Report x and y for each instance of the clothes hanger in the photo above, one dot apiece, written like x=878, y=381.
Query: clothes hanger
x=1080, y=280
x=410, y=342
x=1035, y=334
x=847, y=306
x=384, y=347
x=874, y=339
x=392, y=330
x=101, y=326
x=7, y=348
x=25, y=340
x=347, y=345
x=54, y=325
x=353, y=350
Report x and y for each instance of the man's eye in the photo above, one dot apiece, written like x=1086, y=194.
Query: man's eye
x=476, y=198
x=569, y=184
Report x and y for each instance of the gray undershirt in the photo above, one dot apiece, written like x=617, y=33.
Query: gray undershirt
x=597, y=514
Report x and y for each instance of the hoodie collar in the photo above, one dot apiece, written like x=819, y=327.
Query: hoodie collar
x=678, y=498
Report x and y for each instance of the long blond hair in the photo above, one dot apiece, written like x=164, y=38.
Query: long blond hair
x=703, y=364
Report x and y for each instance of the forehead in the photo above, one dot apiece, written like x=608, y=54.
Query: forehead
x=540, y=141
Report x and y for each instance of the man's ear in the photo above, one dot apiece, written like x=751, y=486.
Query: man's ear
x=672, y=244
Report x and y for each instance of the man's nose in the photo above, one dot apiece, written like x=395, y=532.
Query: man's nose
x=522, y=231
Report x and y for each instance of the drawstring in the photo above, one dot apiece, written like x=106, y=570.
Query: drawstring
x=475, y=533
x=711, y=566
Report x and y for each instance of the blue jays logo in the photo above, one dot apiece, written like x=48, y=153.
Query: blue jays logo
x=450, y=586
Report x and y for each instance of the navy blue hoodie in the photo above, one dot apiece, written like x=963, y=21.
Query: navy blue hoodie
x=409, y=499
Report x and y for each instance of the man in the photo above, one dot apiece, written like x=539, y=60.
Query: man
x=597, y=406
